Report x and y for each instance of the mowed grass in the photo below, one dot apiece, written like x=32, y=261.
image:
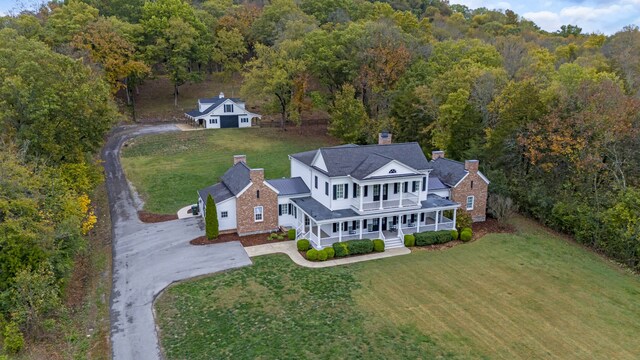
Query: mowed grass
x=168, y=169
x=507, y=296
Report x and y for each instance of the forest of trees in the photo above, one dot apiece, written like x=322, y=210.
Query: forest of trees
x=553, y=117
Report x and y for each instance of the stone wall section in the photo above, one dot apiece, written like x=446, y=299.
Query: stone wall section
x=248, y=200
x=472, y=185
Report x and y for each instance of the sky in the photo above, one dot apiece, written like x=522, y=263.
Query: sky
x=600, y=16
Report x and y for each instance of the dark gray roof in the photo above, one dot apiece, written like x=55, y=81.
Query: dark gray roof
x=436, y=184
x=450, y=172
x=289, y=186
x=215, y=102
x=319, y=212
x=435, y=201
x=237, y=177
x=218, y=191
x=360, y=161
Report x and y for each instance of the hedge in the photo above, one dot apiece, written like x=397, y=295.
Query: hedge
x=409, y=240
x=466, y=235
x=454, y=234
x=322, y=255
x=353, y=247
x=292, y=234
x=303, y=245
x=312, y=255
x=433, y=237
x=363, y=246
x=340, y=249
x=378, y=245
x=330, y=252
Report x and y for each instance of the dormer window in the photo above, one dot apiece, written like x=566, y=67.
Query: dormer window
x=228, y=108
x=392, y=171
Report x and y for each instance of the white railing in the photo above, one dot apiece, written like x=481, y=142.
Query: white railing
x=400, y=233
x=381, y=235
x=408, y=199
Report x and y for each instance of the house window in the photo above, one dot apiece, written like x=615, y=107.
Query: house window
x=228, y=108
x=257, y=213
x=395, y=188
x=345, y=226
x=424, y=184
x=356, y=190
x=392, y=171
x=244, y=120
x=470, y=201
x=258, y=194
x=307, y=221
x=224, y=214
x=405, y=187
x=338, y=191
x=471, y=184
x=315, y=181
x=376, y=190
x=326, y=188
x=213, y=121
x=416, y=186
x=283, y=209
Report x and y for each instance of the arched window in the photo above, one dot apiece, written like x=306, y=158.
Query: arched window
x=392, y=171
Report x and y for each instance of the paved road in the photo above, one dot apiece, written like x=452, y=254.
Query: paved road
x=149, y=257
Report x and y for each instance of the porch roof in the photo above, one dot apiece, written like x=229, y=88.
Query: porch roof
x=319, y=212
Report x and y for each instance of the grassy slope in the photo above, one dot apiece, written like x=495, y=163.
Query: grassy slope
x=529, y=295
x=168, y=169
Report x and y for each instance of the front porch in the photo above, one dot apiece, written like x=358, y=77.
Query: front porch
x=391, y=228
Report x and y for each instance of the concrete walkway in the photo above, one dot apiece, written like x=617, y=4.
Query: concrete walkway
x=289, y=248
x=184, y=212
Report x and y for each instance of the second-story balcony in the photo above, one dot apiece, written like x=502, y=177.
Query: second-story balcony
x=394, y=201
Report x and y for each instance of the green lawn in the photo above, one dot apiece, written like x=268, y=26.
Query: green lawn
x=168, y=169
x=522, y=296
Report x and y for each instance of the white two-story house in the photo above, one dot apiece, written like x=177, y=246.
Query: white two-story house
x=221, y=112
x=350, y=192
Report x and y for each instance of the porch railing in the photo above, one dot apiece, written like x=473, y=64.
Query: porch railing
x=408, y=200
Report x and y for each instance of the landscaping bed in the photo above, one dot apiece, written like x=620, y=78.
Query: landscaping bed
x=247, y=240
x=340, y=249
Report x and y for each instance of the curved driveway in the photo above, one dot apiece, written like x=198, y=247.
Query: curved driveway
x=149, y=257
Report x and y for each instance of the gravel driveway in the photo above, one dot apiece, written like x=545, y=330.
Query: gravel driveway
x=149, y=257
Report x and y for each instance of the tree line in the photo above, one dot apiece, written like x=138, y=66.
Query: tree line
x=553, y=117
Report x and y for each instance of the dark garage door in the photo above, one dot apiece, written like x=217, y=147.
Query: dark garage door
x=229, y=121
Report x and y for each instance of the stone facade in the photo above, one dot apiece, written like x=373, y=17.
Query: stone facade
x=249, y=199
x=472, y=185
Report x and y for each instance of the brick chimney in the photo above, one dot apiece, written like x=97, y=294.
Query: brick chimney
x=471, y=165
x=437, y=154
x=256, y=176
x=384, y=138
x=239, y=158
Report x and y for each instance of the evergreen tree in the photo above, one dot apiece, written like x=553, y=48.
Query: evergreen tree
x=211, y=219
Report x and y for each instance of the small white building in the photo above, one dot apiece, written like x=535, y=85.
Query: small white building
x=221, y=112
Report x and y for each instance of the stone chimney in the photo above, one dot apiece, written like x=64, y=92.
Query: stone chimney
x=471, y=165
x=256, y=176
x=239, y=158
x=384, y=138
x=437, y=154
x=221, y=95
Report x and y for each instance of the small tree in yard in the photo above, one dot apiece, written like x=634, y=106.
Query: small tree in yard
x=463, y=219
x=211, y=219
x=501, y=207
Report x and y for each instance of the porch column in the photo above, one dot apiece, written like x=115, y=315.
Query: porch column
x=437, y=218
x=319, y=235
x=361, y=196
x=418, y=222
x=400, y=186
x=340, y=231
x=454, y=217
x=380, y=195
x=380, y=226
x=419, y=192
x=361, y=222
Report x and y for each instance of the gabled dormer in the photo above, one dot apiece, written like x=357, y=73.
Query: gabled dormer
x=318, y=161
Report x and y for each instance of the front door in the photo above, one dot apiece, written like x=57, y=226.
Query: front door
x=384, y=224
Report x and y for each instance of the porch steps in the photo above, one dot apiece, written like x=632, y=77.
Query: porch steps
x=393, y=243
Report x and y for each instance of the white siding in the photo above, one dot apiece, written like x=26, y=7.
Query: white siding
x=208, y=123
x=319, y=162
x=287, y=219
x=445, y=193
x=393, y=165
x=300, y=169
x=319, y=193
x=341, y=203
x=229, y=222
